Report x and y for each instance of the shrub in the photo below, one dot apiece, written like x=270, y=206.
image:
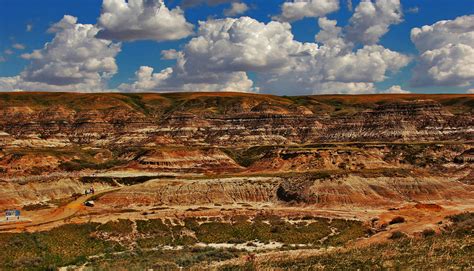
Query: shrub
x=121, y=226
x=397, y=235
x=461, y=217
x=34, y=207
x=428, y=232
x=397, y=220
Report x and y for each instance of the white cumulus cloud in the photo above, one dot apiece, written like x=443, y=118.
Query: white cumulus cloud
x=446, y=53
x=75, y=60
x=225, y=50
x=335, y=66
x=230, y=54
x=395, y=89
x=330, y=34
x=168, y=80
x=169, y=54
x=236, y=8
x=142, y=20
x=298, y=9
x=371, y=20
x=19, y=46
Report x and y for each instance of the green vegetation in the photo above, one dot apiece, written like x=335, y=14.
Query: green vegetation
x=222, y=102
x=462, y=218
x=464, y=224
x=246, y=157
x=397, y=235
x=402, y=254
x=135, y=100
x=66, y=159
x=119, y=227
x=428, y=232
x=35, y=207
x=161, y=259
x=244, y=229
x=73, y=244
x=397, y=220
x=421, y=154
x=158, y=232
x=121, y=180
x=65, y=245
x=76, y=165
x=451, y=250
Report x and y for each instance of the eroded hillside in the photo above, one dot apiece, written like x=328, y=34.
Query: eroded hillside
x=58, y=120
x=205, y=180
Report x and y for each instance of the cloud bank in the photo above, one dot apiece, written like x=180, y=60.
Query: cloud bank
x=446, y=53
x=371, y=20
x=236, y=8
x=244, y=54
x=226, y=50
x=75, y=60
x=299, y=9
x=142, y=20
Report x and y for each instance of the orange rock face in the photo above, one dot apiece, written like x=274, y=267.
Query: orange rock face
x=188, y=149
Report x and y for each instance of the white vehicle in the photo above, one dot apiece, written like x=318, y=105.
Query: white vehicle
x=89, y=203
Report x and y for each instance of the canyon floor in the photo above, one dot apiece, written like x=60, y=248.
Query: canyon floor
x=237, y=182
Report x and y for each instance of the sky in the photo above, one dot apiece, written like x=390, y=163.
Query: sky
x=285, y=47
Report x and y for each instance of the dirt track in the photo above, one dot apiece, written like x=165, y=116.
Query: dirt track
x=50, y=216
x=417, y=218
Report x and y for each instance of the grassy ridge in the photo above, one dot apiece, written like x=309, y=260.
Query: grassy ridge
x=451, y=250
x=66, y=245
x=73, y=244
x=223, y=103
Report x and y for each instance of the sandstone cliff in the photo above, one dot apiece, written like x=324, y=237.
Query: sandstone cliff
x=367, y=149
x=58, y=119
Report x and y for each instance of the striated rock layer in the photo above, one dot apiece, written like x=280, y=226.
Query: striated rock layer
x=351, y=190
x=231, y=119
x=364, y=150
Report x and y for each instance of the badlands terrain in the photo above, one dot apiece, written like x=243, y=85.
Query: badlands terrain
x=227, y=181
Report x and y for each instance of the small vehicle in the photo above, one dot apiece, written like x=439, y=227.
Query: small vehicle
x=89, y=203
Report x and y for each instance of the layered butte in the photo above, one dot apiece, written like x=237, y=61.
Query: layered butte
x=211, y=119
x=192, y=149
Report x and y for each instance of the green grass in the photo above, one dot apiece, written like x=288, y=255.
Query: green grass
x=77, y=165
x=121, y=226
x=157, y=233
x=120, y=180
x=74, y=244
x=65, y=245
x=161, y=259
x=451, y=250
x=243, y=229
x=35, y=207
x=402, y=254
x=69, y=158
x=246, y=157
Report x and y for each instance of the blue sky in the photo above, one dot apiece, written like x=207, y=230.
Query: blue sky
x=16, y=15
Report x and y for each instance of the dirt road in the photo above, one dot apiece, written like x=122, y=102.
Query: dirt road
x=52, y=215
